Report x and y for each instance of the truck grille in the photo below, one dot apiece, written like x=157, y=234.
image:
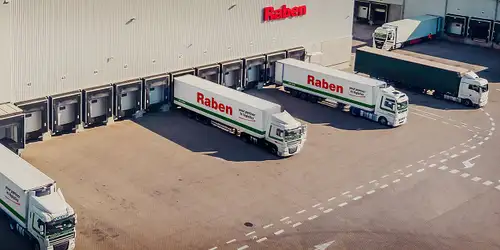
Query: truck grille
x=61, y=240
x=292, y=150
x=62, y=246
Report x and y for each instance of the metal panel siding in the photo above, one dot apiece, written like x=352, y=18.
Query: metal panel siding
x=415, y=8
x=477, y=8
x=60, y=46
x=5, y=59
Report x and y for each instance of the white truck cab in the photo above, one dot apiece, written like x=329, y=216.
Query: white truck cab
x=384, y=37
x=286, y=133
x=473, y=90
x=392, y=107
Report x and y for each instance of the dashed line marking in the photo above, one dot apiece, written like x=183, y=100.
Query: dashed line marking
x=493, y=129
x=213, y=248
x=284, y=219
x=424, y=116
x=457, y=126
x=384, y=186
x=370, y=192
x=297, y=224
x=261, y=239
x=432, y=156
x=408, y=175
x=454, y=156
x=270, y=225
x=454, y=171
x=469, y=140
x=421, y=170
x=312, y=217
x=486, y=138
x=348, y=192
x=488, y=114
x=476, y=134
x=443, y=168
x=333, y=198
x=445, y=122
x=442, y=152
x=342, y=204
x=443, y=160
x=279, y=232
x=464, y=151
x=317, y=205
x=396, y=180
x=385, y=176
x=452, y=148
x=248, y=234
x=487, y=183
x=476, y=179
x=421, y=161
x=498, y=187
x=231, y=241
x=360, y=187
x=432, y=165
x=357, y=198
x=301, y=211
x=321, y=208
x=463, y=143
x=490, y=134
x=409, y=166
x=243, y=247
x=493, y=124
x=473, y=147
x=372, y=181
x=399, y=170
x=328, y=210
x=465, y=175
x=480, y=143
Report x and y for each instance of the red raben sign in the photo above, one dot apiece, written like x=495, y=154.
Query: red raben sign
x=271, y=14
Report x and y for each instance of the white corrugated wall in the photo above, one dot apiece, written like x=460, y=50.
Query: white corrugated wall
x=63, y=45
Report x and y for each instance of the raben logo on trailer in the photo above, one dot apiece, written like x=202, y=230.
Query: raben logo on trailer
x=212, y=103
x=311, y=80
x=271, y=14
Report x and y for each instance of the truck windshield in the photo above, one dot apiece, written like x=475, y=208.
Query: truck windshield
x=381, y=34
x=59, y=227
x=293, y=134
x=402, y=106
x=484, y=88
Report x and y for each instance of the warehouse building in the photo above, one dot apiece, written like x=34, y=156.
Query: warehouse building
x=474, y=22
x=72, y=64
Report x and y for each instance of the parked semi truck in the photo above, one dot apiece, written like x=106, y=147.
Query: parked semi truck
x=253, y=119
x=34, y=207
x=441, y=80
x=369, y=98
x=397, y=34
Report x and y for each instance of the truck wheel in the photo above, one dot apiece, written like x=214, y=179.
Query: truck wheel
x=244, y=138
x=382, y=120
x=206, y=121
x=37, y=246
x=303, y=96
x=274, y=150
x=294, y=93
x=354, y=112
x=467, y=102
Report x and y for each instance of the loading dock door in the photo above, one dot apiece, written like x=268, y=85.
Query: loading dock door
x=127, y=98
x=455, y=25
x=12, y=127
x=297, y=53
x=480, y=30
x=379, y=13
x=210, y=72
x=361, y=10
x=496, y=33
x=156, y=91
x=36, y=117
x=271, y=63
x=255, y=71
x=65, y=112
x=232, y=74
x=98, y=105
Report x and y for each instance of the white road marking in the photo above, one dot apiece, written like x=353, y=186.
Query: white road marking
x=451, y=120
x=487, y=183
x=486, y=138
x=452, y=148
x=344, y=193
x=493, y=124
x=399, y=170
x=384, y=186
x=473, y=147
x=421, y=161
x=297, y=224
x=421, y=170
x=284, y=219
x=476, y=179
x=396, y=180
x=320, y=208
x=261, y=239
x=301, y=211
x=342, y=204
x=357, y=198
x=463, y=143
x=360, y=187
x=312, y=217
x=270, y=225
x=328, y=210
x=490, y=134
x=372, y=181
x=469, y=140
x=443, y=160
x=385, y=176
x=213, y=248
x=409, y=166
x=443, y=168
x=317, y=205
x=432, y=156
x=428, y=113
x=488, y=114
x=442, y=152
x=432, y=165
x=248, y=234
x=457, y=126
x=445, y=122
x=333, y=198
x=243, y=247
x=454, y=171
x=454, y=156
x=480, y=143
x=231, y=241
x=498, y=187
x=465, y=175
x=370, y=192
x=493, y=129
x=408, y=175
x=428, y=117
x=279, y=232
x=464, y=151
x=475, y=134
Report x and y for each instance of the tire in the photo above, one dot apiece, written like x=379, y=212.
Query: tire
x=303, y=96
x=354, y=113
x=294, y=93
x=467, y=103
x=244, y=138
x=12, y=226
x=206, y=121
x=37, y=246
x=312, y=99
x=273, y=150
x=383, y=121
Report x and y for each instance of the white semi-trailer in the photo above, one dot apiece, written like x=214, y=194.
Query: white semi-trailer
x=369, y=98
x=253, y=119
x=34, y=207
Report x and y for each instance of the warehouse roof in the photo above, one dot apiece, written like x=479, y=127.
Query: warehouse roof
x=228, y=92
x=21, y=172
x=330, y=71
x=414, y=59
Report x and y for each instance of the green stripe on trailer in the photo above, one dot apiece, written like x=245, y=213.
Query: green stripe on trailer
x=329, y=94
x=220, y=116
x=3, y=203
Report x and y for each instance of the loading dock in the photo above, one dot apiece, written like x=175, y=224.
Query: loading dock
x=97, y=105
x=255, y=72
x=209, y=72
x=36, y=117
x=127, y=99
x=455, y=25
x=480, y=30
x=379, y=13
x=270, y=64
x=12, y=127
x=361, y=11
x=65, y=112
x=296, y=53
x=232, y=74
x=156, y=92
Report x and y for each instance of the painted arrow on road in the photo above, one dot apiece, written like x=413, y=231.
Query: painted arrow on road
x=468, y=164
x=323, y=246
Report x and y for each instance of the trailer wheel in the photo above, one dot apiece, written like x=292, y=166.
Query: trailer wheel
x=467, y=102
x=273, y=150
x=382, y=120
x=12, y=225
x=206, y=121
x=294, y=92
x=244, y=138
x=303, y=96
x=354, y=112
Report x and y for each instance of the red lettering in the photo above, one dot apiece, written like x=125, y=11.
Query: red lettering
x=311, y=80
x=212, y=103
x=270, y=13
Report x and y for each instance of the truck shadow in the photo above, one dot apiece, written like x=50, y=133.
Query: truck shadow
x=431, y=102
x=192, y=135
x=482, y=60
x=315, y=113
x=10, y=240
